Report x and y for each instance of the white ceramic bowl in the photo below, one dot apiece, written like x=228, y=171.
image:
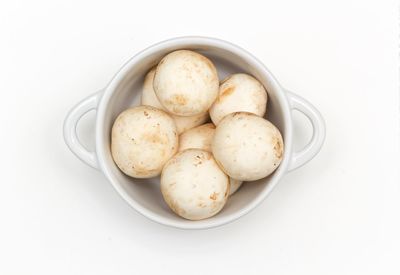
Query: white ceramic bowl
x=124, y=91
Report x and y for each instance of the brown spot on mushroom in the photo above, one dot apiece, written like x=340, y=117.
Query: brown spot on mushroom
x=213, y=196
x=179, y=100
x=198, y=160
x=278, y=148
x=201, y=205
x=226, y=92
x=154, y=138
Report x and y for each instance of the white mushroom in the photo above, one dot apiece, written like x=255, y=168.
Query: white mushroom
x=234, y=185
x=184, y=123
x=197, y=138
x=143, y=139
x=201, y=138
x=193, y=185
x=247, y=146
x=186, y=83
x=149, y=98
x=239, y=93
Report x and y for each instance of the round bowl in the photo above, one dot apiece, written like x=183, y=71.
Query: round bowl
x=124, y=90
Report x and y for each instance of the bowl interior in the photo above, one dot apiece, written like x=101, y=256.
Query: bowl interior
x=125, y=91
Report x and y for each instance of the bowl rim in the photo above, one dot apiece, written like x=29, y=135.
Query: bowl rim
x=184, y=42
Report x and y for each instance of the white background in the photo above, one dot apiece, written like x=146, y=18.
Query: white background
x=339, y=214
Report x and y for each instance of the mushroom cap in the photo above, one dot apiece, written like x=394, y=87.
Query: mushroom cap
x=239, y=93
x=234, y=185
x=247, y=147
x=184, y=123
x=143, y=139
x=149, y=98
x=193, y=185
x=201, y=138
x=186, y=83
x=197, y=138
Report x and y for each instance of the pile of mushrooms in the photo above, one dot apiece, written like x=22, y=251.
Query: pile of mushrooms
x=201, y=163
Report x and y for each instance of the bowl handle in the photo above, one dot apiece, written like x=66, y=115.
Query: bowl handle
x=314, y=145
x=70, y=123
